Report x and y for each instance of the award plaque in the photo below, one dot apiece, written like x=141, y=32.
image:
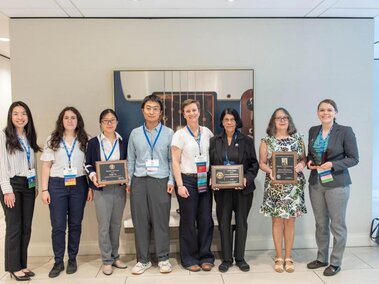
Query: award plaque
x=227, y=176
x=283, y=167
x=112, y=172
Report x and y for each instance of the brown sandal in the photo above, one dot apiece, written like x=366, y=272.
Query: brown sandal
x=289, y=265
x=279, y=264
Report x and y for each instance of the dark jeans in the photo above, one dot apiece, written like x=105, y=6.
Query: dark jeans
x=227, y=201
x=196, y=225
x=67, y=206
x=18, y=224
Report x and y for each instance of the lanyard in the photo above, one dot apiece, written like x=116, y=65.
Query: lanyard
x=198, y=138
x=155, y=141
x=26, y=149
x=110, y=154
x=324, y=142
x=233, y=142
x=72, y=150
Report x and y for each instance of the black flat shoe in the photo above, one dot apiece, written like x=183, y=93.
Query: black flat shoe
x=243, y=266
x=316, y=264
x=224, y=266
x=72, y=267
x=29, y=273
x=19, y=278
x=332, y=270
x=56, y=270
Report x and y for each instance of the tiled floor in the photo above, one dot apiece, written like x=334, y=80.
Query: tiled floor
x=361, y=265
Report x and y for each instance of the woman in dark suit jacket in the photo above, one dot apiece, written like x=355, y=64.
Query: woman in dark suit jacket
x=233, y=147
x=109, y=199
x=332, y=149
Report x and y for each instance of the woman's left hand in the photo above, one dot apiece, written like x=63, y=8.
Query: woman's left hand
x=244, y=184
x=326, y=166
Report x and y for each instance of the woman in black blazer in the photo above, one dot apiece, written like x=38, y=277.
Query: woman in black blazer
x=233, y=147
x=332, y=149
x=109, y=199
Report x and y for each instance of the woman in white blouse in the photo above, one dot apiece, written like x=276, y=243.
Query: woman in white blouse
x=190, y=163
x=18, y=144
x=64, y=186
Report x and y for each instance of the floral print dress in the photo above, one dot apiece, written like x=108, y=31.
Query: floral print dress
x=284, y=200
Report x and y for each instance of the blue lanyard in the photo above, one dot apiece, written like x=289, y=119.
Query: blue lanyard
x=110, y=154
x=324, y=142
x=69, y=154
x=26, y=149
x=198, y=138
x=155, y=141
x=233, y=142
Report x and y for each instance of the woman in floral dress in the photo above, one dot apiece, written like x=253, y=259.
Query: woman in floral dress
x=282, y=202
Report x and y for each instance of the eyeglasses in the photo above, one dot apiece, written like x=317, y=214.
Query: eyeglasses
x=109, y=121
x=281, y=118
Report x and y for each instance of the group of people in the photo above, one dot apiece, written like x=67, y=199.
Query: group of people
x=161, y=162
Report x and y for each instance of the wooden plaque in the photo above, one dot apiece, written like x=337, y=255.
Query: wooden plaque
x=112, y=172
x=283, y=167
x=227, y=176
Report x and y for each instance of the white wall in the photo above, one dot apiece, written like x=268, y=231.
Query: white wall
x=5, y=90
x=297, y=62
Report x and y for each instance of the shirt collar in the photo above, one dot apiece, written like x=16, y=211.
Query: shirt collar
x=156, y=128
x=102, y=136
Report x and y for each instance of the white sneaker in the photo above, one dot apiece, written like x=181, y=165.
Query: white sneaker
x=140, y=267
x=165, y=266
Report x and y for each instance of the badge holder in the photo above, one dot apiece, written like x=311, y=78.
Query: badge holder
x=202, y=177
x=31, y=178
x=325, y=176
x=152, y=165
x=69, y=175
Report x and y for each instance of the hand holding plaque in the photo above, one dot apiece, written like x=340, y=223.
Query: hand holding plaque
x=283, y=167
x=227, y=176
x=112, y=172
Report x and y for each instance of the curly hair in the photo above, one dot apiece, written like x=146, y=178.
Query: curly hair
x=12, y=143
x=57, y=134
x=271, y=128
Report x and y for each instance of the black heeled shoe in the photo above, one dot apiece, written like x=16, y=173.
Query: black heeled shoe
x=19, y=278
x=29, y=273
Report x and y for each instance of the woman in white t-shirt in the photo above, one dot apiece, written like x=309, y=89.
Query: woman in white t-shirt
x=190, y=162
x=64, y=186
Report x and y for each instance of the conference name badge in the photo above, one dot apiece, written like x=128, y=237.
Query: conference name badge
x=69, y=175
x=152, y=165
x=31, y=178
x=325, y=175
x=201, y=168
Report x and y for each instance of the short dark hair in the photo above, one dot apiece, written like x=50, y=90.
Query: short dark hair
x=105, y=112
x=188, y=102
x=152, y=98
x=233, y=112
x=271, y=128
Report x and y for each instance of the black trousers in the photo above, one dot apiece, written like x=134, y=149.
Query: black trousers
x=227, y=201
x=18, y=222
x=196, y=225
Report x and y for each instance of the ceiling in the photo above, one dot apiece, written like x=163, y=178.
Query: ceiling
x=180, y=8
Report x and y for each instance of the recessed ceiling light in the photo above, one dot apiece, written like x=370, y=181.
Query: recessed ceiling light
x=4, y=39
x=230, y=0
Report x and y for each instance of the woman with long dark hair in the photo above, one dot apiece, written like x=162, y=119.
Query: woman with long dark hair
x=64, y=186
x=18, y=145
x=109, y=199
